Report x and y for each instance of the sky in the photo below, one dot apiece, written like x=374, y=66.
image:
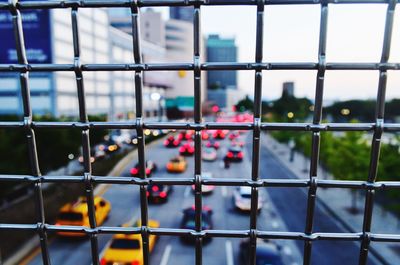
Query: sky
x=355, y=34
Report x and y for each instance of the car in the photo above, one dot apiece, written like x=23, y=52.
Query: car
x=205, y=189
x=213, y=144
x=233, y=135
x=209, y=154
x=234, y=154
x=187, y=149
x=266, y=253
x=172, y=142
x=177, y=164
x=158, y=193
x=109, y=146
x=76, y=214
x=95, y=155
x=188, y=222
x=127, y=248
x=151, y=167
x=219, y=134
x=81, y=159
x=205, y=135
x=237, y=143
x=186, y=135
x=242, y=199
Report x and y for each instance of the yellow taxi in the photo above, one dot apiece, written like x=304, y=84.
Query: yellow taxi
x=177, y=164
x=127, y=249
x=76, y=214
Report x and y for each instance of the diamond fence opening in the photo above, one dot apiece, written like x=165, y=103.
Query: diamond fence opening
x=370, y=185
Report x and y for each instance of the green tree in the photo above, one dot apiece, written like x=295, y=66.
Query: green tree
x=350, y=161
x=245, y=104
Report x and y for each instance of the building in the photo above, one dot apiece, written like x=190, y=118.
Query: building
x=122, y=84
x=176, y=35
x=225, y=98
x=179, y=47
x=221, y=50
x=121, y=19
x=152, y=27
x=288, y=89
x=49, y=40
x=181, y=13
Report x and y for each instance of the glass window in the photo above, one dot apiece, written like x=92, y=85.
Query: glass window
x=125, y=244
x=9, y=103
x=70, y=216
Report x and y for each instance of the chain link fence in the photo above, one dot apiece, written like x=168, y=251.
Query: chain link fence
x=138, y=67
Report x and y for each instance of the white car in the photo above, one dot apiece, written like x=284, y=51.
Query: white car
x=242, y=199
x=209, y=154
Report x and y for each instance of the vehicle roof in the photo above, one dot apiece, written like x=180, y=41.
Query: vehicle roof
x=151, y=223
x=80, y=205
x=235, y=148
x=267, y=249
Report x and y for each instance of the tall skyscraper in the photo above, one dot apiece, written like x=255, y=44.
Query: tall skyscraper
x=181, y=13
x=221, y=50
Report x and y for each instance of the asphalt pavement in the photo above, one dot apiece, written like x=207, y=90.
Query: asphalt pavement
x=283, y=210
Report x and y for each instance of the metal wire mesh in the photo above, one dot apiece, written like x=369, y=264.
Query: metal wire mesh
x=258, y=66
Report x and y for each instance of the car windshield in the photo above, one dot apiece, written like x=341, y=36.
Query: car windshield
x=208, y=151
x=125, y=244
x=190, y=215
x=246, y=195
x=235, y=150
x=70, y=216
x=175, y=160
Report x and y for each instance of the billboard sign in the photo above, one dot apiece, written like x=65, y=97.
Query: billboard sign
x=36, y=27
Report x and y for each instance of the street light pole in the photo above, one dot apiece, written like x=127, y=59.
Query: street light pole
x=158, y=97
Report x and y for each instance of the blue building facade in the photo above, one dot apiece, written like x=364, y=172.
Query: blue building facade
x=181, y=13
x=221, y=50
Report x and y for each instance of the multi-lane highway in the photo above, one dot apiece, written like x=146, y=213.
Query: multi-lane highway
x=283, y=210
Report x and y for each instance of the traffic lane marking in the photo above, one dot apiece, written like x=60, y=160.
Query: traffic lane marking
x=229, y=252
x=166, y=254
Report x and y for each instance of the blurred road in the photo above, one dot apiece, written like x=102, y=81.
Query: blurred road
x=283, y=210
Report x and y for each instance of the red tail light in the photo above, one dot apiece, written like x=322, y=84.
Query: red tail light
x=229, y=154
x=147, y=194
x=191, y=150
x=163, y=194
x=148, y=171
x=103, y=261
x=155, y=188
x=135, y=262
x=240, y=155
x=182, y=149
x=134, y=171
x=176, y=142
